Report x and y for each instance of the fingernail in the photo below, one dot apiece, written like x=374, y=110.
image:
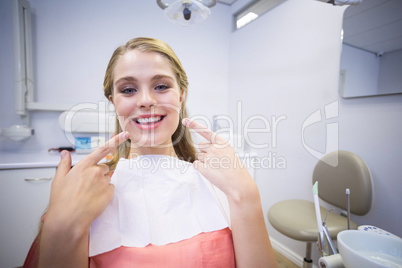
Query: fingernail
x=125, y=135
x=185, y=121
x=63, y=154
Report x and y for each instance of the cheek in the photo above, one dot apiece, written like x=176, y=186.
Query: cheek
x=122, y=106
x=172, y=107
x=123, y=111
x=171, y=100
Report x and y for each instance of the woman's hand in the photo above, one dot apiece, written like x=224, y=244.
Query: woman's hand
x=78, y=196
x=83, y=192
x=219, y=163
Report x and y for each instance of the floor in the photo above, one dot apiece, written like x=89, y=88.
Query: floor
x=283, y=262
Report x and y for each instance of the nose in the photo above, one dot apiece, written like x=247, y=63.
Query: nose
x=146, y=99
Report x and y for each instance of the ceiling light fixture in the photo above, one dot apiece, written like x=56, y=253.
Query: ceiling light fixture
x=187, y=12
x=246, y=19
x=253, y=11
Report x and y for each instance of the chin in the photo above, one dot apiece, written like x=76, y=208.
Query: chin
x=151, y=141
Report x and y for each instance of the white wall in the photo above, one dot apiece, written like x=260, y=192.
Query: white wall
x=73, y=42
x=286, y=63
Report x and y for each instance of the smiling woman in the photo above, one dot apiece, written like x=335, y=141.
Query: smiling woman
x=157, y=77
x=165, y=205
x=148, y=99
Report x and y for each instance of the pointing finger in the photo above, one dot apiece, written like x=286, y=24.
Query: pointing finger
x=203, y=146
x=105, y=168
x=64, y=165
x=109, y=147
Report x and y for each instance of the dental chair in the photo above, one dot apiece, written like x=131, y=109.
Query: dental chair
x=297, y=219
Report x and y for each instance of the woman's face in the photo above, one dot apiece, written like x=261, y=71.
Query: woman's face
x=147, y=98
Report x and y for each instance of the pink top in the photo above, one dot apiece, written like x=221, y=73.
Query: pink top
x=212, y=249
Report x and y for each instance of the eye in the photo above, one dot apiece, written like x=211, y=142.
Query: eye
x=161, y=87
x=128, y=90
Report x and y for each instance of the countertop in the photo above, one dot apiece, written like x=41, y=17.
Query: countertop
x=40, y=159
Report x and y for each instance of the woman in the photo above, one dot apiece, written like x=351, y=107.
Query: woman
x=148, y=86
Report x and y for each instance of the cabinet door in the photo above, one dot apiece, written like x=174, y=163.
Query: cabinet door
x=24, y=196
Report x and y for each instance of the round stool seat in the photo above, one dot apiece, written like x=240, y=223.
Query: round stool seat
x=297, y=219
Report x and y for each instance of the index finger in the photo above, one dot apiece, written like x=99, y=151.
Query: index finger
x=105, y=149
x=205, y=132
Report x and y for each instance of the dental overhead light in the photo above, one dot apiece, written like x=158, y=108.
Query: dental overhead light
x=187, y=12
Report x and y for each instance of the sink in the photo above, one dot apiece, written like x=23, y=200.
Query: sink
x=368, y=249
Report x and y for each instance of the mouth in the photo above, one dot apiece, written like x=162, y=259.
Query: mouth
x=148, y=121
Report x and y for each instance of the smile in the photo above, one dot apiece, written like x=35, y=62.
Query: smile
x=148, y=122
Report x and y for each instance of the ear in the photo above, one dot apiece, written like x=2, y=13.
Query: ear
x=111, y=99
x=181, y=97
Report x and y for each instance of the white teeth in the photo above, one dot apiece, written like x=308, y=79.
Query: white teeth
x=148, y=120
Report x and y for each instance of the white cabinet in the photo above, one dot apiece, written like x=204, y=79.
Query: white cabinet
x=24, y=196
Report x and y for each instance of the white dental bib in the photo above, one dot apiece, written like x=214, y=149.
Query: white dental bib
x=158, y=200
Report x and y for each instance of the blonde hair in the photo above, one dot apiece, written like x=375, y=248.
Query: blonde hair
x=182, y=142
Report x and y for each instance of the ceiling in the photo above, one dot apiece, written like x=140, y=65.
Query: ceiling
x=374, y=25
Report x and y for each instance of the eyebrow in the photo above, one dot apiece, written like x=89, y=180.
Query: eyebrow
x=133, y=79
x=125, y=78
x=162, y=76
